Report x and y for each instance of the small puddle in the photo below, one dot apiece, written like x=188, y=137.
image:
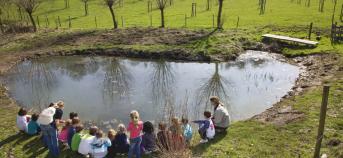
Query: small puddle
x=108, y=88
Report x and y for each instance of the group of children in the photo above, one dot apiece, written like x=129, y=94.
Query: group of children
x=142, y=137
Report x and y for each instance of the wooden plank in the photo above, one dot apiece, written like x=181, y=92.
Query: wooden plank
x=286, y=38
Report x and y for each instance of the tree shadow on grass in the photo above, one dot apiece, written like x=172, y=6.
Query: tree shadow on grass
x=199, y=148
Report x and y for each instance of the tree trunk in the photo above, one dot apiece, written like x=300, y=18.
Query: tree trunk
x=115, y=25
x=33, y=22
x=219, y=16
x=162, y=18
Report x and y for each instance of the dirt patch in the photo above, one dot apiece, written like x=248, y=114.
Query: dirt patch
x=315, y=69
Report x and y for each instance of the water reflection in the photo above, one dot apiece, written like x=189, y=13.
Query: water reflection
x=107, y=88
x=216, y=85
x=162, y=80
x=36, y=79
x=116, y=84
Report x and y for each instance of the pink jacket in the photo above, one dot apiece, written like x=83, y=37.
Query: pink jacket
x=135, y=131
x=63, y=136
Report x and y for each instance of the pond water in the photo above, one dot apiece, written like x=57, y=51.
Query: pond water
x=108, y=88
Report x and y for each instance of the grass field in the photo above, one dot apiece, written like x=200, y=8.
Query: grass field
x=135, y=13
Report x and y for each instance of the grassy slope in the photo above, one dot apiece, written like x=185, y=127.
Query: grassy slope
x=134, y=13
x=245, y=138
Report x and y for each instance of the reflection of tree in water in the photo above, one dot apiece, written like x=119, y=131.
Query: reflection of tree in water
x=77, y=70
x=116, y=81
x=40, y=78
x=216, y=85
x=162, y=80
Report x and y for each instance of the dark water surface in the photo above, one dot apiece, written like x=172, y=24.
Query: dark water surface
x=108, y=88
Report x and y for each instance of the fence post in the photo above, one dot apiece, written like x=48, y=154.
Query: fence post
x=213, y=21
x=237, y=22
x=122, y=21
x=185, y=20
x=150, y=20
x=96, y=22
x=59, y=21
x=38, y=21
x=46, y=21
x=1, y=27
x=310, y=31
x=69, y=19
x=323, y=109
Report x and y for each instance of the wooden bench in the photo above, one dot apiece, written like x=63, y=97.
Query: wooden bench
x=290, y=39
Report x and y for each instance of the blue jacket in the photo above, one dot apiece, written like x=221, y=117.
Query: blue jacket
x=203, y=124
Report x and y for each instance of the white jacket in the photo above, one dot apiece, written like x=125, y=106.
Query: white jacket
x=22, y=123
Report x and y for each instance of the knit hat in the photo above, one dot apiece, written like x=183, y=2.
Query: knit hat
x=46, y=116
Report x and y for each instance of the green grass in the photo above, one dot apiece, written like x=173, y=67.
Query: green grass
x=245, y=138
x=255, y=139
x=134, y=13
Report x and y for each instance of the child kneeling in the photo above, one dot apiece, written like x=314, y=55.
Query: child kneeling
x=206, y=128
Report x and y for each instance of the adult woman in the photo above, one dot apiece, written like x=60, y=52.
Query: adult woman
x=221, y=117
x=46, y=121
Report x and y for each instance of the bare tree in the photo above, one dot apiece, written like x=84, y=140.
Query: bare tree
x=110, y=4
x=219, y=16
x=29, y=6
x=85, y=3
x=161, y=5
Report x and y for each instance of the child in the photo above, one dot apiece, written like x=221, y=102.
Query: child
x=121, y=144
x=63, y=135
x=85, y=146
x=111, y=150
x=22, y=120
x=148, y=138
x=135, y=128
x=163, y=137
x=33, y=127
x=100, y=145
x=59, y=113
x=75, y=142
x=72, y=129
x=73, y=115
x=187, y=131
x=206, y=128
x=177, y=134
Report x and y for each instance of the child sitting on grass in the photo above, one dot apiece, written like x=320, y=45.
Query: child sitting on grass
x=177, y=134
x=100, y=145
x=163, y=137
x=111, y=150
x=72, y=129
x=149, y=138
x=63, y=135
x=33, y=127
x=121, y=141
x=22, y=120
x=206, y=128
x=187, y=131
x=85, y=147
x=75, y=142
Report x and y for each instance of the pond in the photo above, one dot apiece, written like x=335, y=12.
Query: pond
x=108, y=88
